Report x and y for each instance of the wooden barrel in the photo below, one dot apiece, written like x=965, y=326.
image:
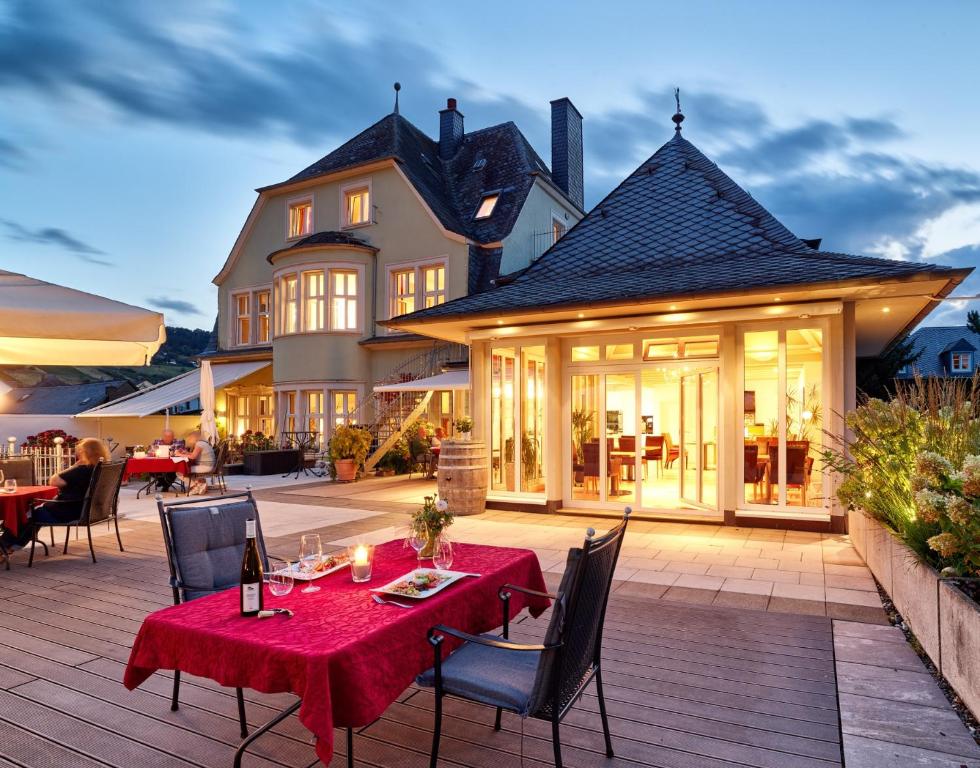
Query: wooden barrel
x=463, y=476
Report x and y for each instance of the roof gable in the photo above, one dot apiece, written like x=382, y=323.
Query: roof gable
x=933, y=344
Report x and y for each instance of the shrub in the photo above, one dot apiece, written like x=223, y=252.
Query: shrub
x=463, y=424
x=350, y=442
x=46, y=439
x=256, y=441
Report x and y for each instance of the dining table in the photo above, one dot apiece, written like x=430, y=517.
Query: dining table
x=155, y=465
x=15, y=505
x=344, y=655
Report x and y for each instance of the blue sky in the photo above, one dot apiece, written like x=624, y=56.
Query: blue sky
x=132, y=134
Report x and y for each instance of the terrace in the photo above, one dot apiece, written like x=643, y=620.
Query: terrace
x=723, y=647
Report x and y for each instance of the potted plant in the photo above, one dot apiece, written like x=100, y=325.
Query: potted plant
x=582, y=430
x=261, y=456
x=463, y=426
x=433, y=517
x=349, y=448
x=395, y=461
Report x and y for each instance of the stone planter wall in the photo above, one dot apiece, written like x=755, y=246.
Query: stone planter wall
x=945, y=621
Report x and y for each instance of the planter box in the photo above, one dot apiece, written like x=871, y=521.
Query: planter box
x=944, y=620
x=270, y=462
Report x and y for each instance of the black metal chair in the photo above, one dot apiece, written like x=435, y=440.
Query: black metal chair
x=98, y=506
x=205, y=543
x=542, y=681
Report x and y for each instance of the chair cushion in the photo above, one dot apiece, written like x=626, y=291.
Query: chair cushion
x=493, y=676
x=208, y=545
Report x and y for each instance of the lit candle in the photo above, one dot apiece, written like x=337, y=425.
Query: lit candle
x=360, y=555
x=360, y=561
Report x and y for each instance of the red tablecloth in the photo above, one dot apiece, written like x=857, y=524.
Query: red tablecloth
x=153, y=465
x=13, y=506
x=347, y=657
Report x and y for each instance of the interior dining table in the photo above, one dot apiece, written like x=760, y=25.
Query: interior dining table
x=344, y=655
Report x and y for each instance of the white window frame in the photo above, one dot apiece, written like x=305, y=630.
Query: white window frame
x=356, y=186
x=343, y=415
x=282, y=314
x=393, y=294
x=320, y=299
x=237, y=339
x=419, y=268
x=424, y=293
x=258, y=315
x=558, y=217
x=954, y=357
x=290, y=204
x=332, y=297
x=483, y=198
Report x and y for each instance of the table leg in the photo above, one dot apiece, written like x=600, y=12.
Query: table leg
x=261, y=731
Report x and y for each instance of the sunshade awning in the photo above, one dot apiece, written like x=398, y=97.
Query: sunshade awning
x=177, y=390
x=46, y=324
x=452, y=380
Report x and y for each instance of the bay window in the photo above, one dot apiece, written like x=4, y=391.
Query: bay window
x=314, y=413
x=289, y=298
x=343, y=300
x=314, y=301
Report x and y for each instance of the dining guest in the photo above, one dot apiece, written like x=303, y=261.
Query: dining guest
x=201, y=461
x=435, y=445
x=72, y=484
x=168, y=439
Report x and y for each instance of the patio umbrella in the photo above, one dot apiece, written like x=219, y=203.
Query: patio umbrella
x=209, y=429
x=46, y=324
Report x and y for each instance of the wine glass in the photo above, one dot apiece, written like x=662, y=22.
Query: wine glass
x=442, y=553
x=310, y=557
x=10, y=485
x=418, y=537
x=280, y=577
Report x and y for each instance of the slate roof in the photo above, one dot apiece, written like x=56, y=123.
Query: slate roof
x=452, y=188
x=933, y=341
x=676, y=227
x=64, y=399
x=324, y=238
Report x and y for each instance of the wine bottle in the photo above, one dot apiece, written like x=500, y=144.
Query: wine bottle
x=251, y=581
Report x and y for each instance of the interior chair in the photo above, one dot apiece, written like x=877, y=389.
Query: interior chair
x=545, y=680
x=797, y=467
x=753, y=472
x=590, y=464
x=99, y=505
x=671, y=451
x=653, y=450
x=21, y=470
x=627, y=444
x=205, y=543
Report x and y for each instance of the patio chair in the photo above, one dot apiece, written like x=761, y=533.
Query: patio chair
x=98, y=506
x=205, y=542
x=21, y=470
x=420, y=458
x=541, y=681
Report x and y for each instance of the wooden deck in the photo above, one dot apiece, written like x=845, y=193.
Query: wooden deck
x=687, y=686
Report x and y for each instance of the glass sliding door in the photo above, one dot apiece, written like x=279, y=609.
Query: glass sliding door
x=584, y=450
x=533, y=398
x=617, y=454
x=690, y=458
x=502, y=462
x=709, y=438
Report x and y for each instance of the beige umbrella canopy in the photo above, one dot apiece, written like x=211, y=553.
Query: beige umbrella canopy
x=46, y=324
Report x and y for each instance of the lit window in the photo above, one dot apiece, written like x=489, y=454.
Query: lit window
x=961, y=361
x=300, y=218
x=289, y=411
x=243, y=326
x=585, y=354
x=314, y=413
x=289, y=291
x=701, y=347
x=660, y=349
x=314, y=301
x=357, y=204
x=433, y=286
x=558, y=229
x=403, y=292
x=343, y=301
x=487, y=204
x=343, y=406
x=262, y=317
x=619, y=351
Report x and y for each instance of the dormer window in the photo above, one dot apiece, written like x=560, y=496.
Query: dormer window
x=357, y=205
x=299, y=219
x=961, y=362
x=487, y=204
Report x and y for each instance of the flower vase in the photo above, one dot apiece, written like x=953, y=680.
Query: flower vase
x=430, y=546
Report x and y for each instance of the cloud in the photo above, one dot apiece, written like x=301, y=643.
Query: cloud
x=57, y=237
x=11, y=156
x=174, y=305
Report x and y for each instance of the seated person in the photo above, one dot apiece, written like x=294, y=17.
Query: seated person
x=436, y=446
x=201, y=462
x=164, y=480
x=72, y=484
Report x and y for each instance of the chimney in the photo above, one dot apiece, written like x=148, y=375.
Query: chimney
x=566, y=150
x=450, y=129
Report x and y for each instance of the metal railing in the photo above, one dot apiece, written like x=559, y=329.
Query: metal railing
x=47, y=461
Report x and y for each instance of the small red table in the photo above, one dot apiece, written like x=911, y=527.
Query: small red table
x=153, y=465
x=14, y=506
x=346, y=657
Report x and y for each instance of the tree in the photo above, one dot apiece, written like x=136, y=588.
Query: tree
x=876, y=375
x=973, y=321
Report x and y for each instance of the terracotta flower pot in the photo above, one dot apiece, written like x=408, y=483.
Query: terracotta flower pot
x=346, y=470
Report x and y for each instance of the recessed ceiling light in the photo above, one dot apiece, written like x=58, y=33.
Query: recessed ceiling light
x=673, y=307
x=804, y=316
x=500, y=322
x=777, y=299
x=886, y=310
x=581, y=315
x=632, y=328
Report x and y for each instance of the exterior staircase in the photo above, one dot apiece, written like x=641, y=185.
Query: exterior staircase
x=387, y=415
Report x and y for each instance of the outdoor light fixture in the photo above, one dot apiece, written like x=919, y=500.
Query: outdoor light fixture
x=581, y=315
x=886, y=310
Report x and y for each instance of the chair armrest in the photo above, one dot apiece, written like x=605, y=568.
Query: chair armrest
x=39, y=502
x=441, y=629
x=502, y=592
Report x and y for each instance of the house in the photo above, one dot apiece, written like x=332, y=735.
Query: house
x=389, y=222
x=679, y=351
x=943, y=351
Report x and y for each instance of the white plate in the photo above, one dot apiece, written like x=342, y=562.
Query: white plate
x=451, y=578
x=300, y=576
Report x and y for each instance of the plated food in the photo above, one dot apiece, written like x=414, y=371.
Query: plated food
x=420, y=583
x=328, y=564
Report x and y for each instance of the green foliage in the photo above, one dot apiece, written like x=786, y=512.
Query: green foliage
x=182, y=346
x=350, y=442
x=583, y=429
x=463, y=424
x=973, y=320
x=433, y=516
x=900, y=466
x=251, y=442
x=876, y=375
x=397, y=458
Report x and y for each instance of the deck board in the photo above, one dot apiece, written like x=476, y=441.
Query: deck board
x=687, y=686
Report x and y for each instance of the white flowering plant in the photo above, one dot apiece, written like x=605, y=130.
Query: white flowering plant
x=949, y=499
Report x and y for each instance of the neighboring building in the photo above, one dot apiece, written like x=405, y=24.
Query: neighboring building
x=679, y=351
x=62, y=399
x=943, y=351
x=390, y=222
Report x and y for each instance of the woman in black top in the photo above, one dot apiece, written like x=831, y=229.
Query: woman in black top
x=72, y=484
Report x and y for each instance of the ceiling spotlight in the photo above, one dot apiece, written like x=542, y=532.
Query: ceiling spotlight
x=581, y=315
x=886, y=310
x=500, y=322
